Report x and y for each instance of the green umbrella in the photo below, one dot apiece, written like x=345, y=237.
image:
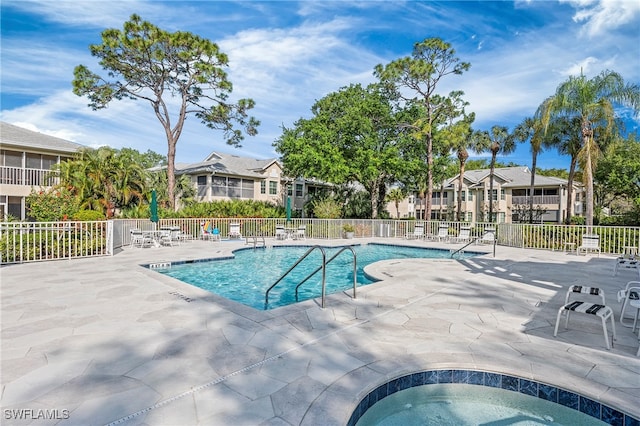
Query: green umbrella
x=288, y=209
x=153, y=207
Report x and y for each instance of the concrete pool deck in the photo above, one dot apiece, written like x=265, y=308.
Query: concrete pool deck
x=106, y=341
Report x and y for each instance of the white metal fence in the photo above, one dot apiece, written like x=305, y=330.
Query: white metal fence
x=35, y=241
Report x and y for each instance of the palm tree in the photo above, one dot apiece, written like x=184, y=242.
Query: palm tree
x=462, y=138
x=501, y=143
x=593, y=101
x=565, y=136
x=531, y=130
x=396, y=195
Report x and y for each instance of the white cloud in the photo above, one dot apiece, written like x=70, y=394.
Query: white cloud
x=604, y=15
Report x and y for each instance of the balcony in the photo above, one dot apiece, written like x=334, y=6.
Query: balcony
x=537, y=199
x=26, y=177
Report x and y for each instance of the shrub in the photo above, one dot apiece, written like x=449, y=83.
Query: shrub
x=88, y=215
x=52, y=205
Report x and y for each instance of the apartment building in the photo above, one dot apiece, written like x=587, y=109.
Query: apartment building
x=26, y=157
x=510, y=198
x=223, y=176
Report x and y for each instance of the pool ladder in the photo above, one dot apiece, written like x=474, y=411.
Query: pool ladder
x=322, y=267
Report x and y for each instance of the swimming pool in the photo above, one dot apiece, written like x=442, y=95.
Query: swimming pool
x=472, y=397
x=246, y=277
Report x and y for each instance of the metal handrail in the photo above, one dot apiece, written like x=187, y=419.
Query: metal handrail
x=255, y=240
x=304, y=256
x=355, y=272
x=476, y=239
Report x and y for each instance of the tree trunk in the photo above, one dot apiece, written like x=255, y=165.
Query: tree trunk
x=531, y=189
x=572, y=173
x=462, y=159
x=427, y=212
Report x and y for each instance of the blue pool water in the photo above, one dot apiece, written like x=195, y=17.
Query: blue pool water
x=246, y=277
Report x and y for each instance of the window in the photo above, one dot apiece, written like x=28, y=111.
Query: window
x=263, y=187
x=469, y=216
x=219, y=186
x=494, y=194
x=39, y=161
x=247, y=188
x=11, y=159
x=202, y=186
x=273, y=188
x=289, y=190
x=233, y=190
x=298, y=190
x=464, y=195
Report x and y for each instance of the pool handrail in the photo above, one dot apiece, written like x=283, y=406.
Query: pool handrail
x=307, y=253
x=473, y=240
x=355, y=272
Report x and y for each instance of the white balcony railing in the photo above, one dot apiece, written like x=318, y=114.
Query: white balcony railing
x=26, y=177
x=537, y=199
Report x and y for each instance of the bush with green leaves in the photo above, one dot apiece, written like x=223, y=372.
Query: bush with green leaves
x=327, y=209
x=88, y=215
x=51, y=205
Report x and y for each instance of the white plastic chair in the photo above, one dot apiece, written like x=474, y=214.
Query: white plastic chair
x=281, y=233
x=463, y=236
x=418, y=233
x=234, y=230
x=590, y=243
x=301, y=233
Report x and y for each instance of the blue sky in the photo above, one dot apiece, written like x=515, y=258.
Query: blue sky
x=286, y=55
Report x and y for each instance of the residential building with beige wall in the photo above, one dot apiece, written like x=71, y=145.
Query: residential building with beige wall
x=510, y=198
x=227, y=177
x=26, y=157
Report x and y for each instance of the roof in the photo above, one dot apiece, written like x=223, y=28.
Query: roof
x=227, y=164
x=511, y=177
x=19, y=137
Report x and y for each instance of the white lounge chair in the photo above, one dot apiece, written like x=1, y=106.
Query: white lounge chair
x=443, y=233
x=590, y=243
x=418, y=233
x=464, y=235
x=234, y=230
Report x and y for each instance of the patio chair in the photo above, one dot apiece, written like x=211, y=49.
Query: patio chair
x=300, y=233
x=169, y=237
x=630, y=297
x=601, y=311
x=417, y=234
x=281, y=233
x=234, y=230
x=208, y=232
x=443, y=233
x=590, y=243
x=627, y=261
x=464, y=235
x=140, y=239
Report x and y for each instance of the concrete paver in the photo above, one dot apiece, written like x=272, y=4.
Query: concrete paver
x=112, y=342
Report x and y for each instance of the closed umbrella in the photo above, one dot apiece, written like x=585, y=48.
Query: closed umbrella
x=288, y=209
x=153, y=207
